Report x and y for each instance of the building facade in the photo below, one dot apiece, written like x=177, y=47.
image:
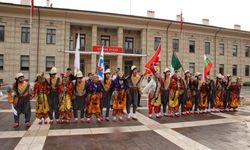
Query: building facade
x=50, y=41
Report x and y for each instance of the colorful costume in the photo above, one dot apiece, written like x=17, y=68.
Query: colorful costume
x=219, y=96
x=165, y=91
x=93, y=100
x=65, y=96
x=42, y=106
x=173, y=104
x=182, y=94
x=204, y=97
x=234, y=96
x=119, y=97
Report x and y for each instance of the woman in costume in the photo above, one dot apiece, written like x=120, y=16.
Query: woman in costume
x=40, y=93
x=219, y=96
x=21, y=101
x=189, y=95
x=182, y=93
x=203, y=97
x=79, y=91
x=65, y=97
x=165, y=90
x=93, y=99
x=234, y=95
x=107, y=85
x=119, y=97
x=153, y=88
x=173, y=103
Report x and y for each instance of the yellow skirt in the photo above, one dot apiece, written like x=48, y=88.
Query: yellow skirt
x=119, y=102
x=218, y=102
x=234, y=100
x=203, y=102
x=42, y=108
x=173, y=105
x=65, y=108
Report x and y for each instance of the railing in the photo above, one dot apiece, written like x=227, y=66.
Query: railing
x=132, y=51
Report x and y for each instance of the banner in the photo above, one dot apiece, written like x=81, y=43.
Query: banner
x=107, y=49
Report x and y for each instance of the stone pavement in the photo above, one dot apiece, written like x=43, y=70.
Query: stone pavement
x=229, y=131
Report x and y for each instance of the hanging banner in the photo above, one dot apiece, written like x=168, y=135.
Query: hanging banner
x=107, y=49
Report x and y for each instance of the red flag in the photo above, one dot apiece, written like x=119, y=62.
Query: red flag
x=154, y=60
x=181, y=21
x=32, y=8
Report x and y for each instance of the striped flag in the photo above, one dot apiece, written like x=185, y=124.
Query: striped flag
x=100, y=67
x=77, y=55
x=207, y=66
x=181, y=22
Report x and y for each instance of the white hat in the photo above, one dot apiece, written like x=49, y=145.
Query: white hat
x=79, y=74
x=198, y=74
x=187, y=71
x=133, y=67
x=228, y=75
x=53, y=70
x=107, y=71
x=166, y=70
x=18, y=75
x=220, y=76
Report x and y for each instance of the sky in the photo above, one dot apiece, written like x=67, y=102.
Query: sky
x=221, y=13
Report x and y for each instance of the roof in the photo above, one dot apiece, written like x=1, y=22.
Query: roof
x=125, y=15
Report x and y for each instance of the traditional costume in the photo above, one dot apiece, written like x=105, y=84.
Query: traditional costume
x=234, y=95
x=173, y=104
x=134, y=81
x=165, y=90
x=53, y=96
x=189, y=95
x=204, y=98
x=107, y=85
x=93, y=99
x=21, y=100
x=119, y=97
x=211, y=94
x=65, y=97
x=219, y=96
x=79, y=91
x=198, y=92
x=182, y=94
x=40, y=93
x=228, y=82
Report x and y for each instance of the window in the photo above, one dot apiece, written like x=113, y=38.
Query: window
x=105, y=40
x=1, y=61
x=234, y=70
x=82, y=41
x=127, y=66
x=51, y=36
x=221, y=69
x=157, y=42
x=247, y=51
x=234, y=50
x=50, y=62
x=106, y=63
x=192, y=68
x=221, y=49
x=25, y=35
x=129, y=44
x=191, y=46
x=207, y=47
x=2, y=33
x=82, y=66
x=25, y=62
x=176, y=45
x=247, y=70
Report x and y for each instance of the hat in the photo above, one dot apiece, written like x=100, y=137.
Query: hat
x=40, y=74
x=166, y=70
x=187, y=71
x=228, y=75
x=107, y=71
x=220, y=76
x=198, y=74
x=79, y=74
x=18, y=75
x=53, y=70
x=133, y=67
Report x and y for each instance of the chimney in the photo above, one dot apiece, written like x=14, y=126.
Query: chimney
x=237, y=27
x=25, y=2
x=205, y=21
x=47, y=4
x=151, y=13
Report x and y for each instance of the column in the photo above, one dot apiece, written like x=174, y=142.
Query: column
x=94, y=35
x=143, y=48
x=119, y=62
x=93, y=63
x=119, y=44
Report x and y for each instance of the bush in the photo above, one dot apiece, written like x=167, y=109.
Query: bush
x=246, y=83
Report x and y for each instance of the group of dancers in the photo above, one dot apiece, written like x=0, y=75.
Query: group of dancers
x=60, y=98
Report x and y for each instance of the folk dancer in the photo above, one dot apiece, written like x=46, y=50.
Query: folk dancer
x=203, y=103
x=173, y=103
x=40, y=93
x=198, y=81
x=228, y=82
x=189, y=93
x=165, y=90
x=234, y=96
x=65, y=98
x=21, y=100
x=219, y=95
x=182, y=93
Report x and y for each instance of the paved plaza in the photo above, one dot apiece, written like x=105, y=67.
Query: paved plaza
x=218, y=131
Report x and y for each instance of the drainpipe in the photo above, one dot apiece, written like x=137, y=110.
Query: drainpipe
x=167, y=41
x=38, y=40
x=215, y=50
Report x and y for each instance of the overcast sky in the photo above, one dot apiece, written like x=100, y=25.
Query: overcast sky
x=222, y=13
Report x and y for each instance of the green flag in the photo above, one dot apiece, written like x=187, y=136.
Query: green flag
x=175, y=64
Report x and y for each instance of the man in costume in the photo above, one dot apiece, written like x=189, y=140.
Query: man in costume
x=153, y=88
x=65, y=97
x=107, y=85
x=203, y=103
x=93, y=99
x=21, y=101
x=228, y=82
x=182, y=93
x=189, y=93
x=79, y=91
x=165, y=90
x=53, y=96
x=211, y=94
x=198, y=81
x=40, y=93
x=220, y=93
x=134, y=83
x=119, y=97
